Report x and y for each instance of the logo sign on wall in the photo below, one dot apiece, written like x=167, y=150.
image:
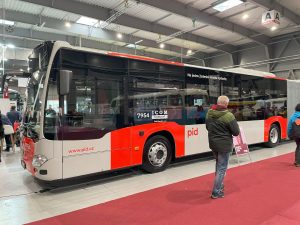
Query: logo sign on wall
x=270, y=19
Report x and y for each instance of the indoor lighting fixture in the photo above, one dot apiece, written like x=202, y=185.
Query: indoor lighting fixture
x=130, y=46
x=245, y=16
x=7, y=22
x=7, y=46
x=189, y=52
x=10, y=46
x=87, y=21
x=162, y=45
x=67, y=24
x=137, y=42
x=119, y=35
x=273, y=28
x=21, y=70
x=227, y=4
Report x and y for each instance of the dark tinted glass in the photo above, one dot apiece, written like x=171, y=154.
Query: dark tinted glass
x=202, y=91
x=90, y=110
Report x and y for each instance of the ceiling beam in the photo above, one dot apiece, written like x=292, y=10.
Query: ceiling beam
x=193, y=13
x=285, y=12
x=102, y=13
x=83, y=30
x=29, y=39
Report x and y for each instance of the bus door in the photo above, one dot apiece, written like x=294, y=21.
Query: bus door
x=94, y=133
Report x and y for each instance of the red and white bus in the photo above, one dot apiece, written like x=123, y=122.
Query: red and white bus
x=90, y=111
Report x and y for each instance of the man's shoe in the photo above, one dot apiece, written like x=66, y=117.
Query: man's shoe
x=215, y=196
x=7, y=149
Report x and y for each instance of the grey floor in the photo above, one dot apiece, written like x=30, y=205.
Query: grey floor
x=23, y=199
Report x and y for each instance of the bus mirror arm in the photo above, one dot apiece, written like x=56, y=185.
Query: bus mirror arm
x=65, y=78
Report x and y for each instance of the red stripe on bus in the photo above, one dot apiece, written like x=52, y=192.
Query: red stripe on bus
x=274, y=77
x=28, y=153
x=275, y=119
x=144, y=58
x=127, y=144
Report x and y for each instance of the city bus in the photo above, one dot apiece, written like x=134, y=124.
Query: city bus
x=90, y=111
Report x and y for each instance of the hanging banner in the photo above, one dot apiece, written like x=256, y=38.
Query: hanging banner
x=270, y=19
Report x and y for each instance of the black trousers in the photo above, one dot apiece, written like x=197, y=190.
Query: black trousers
x=7, y=141
x=297, y=152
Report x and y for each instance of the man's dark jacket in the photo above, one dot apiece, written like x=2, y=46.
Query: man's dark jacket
x=14, y=116
x=221, y=125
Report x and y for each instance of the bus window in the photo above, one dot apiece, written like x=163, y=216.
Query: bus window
x=156, y=101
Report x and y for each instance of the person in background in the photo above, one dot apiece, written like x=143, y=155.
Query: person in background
x=292, y=134
x=6, y=121
x=50, y=111
x=1, y=136
x=200, y=115
x=13, y=115
x=221, y=125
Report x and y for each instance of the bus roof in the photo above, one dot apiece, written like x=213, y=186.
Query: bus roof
x=149, y=59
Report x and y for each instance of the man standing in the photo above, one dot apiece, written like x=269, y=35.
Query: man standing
x=221, y=125
x=293, y=132
x=13, y=115
x=6, y=121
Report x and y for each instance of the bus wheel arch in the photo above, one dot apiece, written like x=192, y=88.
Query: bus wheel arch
x=274, y=136
x=158, y=151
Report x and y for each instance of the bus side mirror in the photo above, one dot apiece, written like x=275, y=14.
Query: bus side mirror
x=65, y=78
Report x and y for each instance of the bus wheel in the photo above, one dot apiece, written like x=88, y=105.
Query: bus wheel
x=274, y=136
x=157, y=154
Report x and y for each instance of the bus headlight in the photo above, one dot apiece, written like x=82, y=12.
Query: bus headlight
x=39, y=160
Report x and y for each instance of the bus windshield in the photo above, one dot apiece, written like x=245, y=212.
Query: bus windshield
x=38, y=63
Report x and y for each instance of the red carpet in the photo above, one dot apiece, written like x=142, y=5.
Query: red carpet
x=265, y=193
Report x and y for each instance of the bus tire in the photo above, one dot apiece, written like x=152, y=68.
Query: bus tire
x=274, y=136
x=157, y=154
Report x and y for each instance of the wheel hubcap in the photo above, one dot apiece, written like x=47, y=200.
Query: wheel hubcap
x=157, y=154
x=274, y=135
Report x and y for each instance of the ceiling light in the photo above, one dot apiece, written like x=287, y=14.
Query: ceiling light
x=119, y=35
x=189, y=52
x=10, y=46
x=245, y=16
x=227, y=4
x=162, y=45
x=67, y=24
x=130, y=46
x=273, y=28
x=7, y=22
x=21, y=70
x=137, y=42
x=87, y=21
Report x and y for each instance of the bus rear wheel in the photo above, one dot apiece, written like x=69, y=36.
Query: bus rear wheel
x=274, y=136
x=157, y=154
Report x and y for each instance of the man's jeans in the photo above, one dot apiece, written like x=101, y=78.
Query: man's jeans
x=221, y=167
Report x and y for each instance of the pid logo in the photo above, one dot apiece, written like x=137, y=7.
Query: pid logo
x=192, y=132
